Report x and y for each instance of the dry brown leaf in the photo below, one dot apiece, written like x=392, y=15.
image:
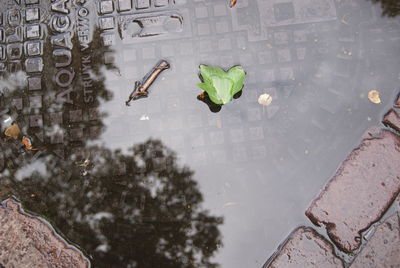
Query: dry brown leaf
x=13, y=131
x=28, y=144
x=374, y=97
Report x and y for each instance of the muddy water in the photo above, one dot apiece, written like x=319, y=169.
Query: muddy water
x=165, y=182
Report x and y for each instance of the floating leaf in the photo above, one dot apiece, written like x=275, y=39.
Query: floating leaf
x=265, y=99
x=374, y=97
x=28, y=144
x=220, y=85
x=237, y=74
x=13, y=131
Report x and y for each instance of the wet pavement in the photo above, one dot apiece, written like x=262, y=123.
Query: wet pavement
x=383, y=248
x=30, y=242
x=166, y=181
x=364, y=187
x=305, y=248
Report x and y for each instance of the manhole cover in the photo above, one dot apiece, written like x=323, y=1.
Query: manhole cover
x=165, y=182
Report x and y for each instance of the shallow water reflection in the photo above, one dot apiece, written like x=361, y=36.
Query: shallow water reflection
x=166, y=182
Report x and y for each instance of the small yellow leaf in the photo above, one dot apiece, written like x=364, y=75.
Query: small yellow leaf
x=13, y=132
x=374, y=97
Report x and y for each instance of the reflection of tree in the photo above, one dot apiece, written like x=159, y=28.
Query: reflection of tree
x=131, y=210
x=391, y=8
x=138, y=210
x=56, y=106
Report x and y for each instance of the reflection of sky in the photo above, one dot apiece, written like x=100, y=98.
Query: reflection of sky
x=260, y=168
x=38, y=166
x=13, y=81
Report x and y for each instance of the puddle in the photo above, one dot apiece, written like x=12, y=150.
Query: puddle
x=165, y=181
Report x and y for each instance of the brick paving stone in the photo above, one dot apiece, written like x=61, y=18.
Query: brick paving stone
x=383, y=248
x=397, y=104
x=305, y=248
x=392, y=119
x=371, y=132
x=360, y=192
x=27, y=241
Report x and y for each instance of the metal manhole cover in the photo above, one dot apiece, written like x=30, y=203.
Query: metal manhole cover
x=195, y=187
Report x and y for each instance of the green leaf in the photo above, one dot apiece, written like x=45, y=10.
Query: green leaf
x=220, y=85
x=212, y=93
x=223, y=86
x=237, y=75
x=207, y=72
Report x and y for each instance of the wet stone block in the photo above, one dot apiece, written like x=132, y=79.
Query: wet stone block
x=281, y=38
x=34, y=48
x=161, y=3
x=108, y=39
x=392, y=119
x=284, y=55
x=33, y=65
x=17, y=103
x=141, y=4
x=14, y=66
x=383, y=248
x=124, y=5
x=36, y=120
x=35, y=101
x=33, y=31
x=14, y=17
x=362, y=189
x=201, y=12
x=32, y=14
x=106, y=6
x=56, y=118
x=93, y=114
x=76, y=134
x=14, y=51
x=57, y=138
x=95, y=132
x=75, y=116
x=27, y=241
x=220, y=10
x=14, y=35
x=304, y=248
x=284, y=11
x=34, y=83
x=109, y=57
x=107, y=23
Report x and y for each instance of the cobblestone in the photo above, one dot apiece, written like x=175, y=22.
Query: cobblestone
x=397, y=104
x=392, y=119
x=305, y=248
x=26, y=241
x=363, y=188
x=383, y=249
